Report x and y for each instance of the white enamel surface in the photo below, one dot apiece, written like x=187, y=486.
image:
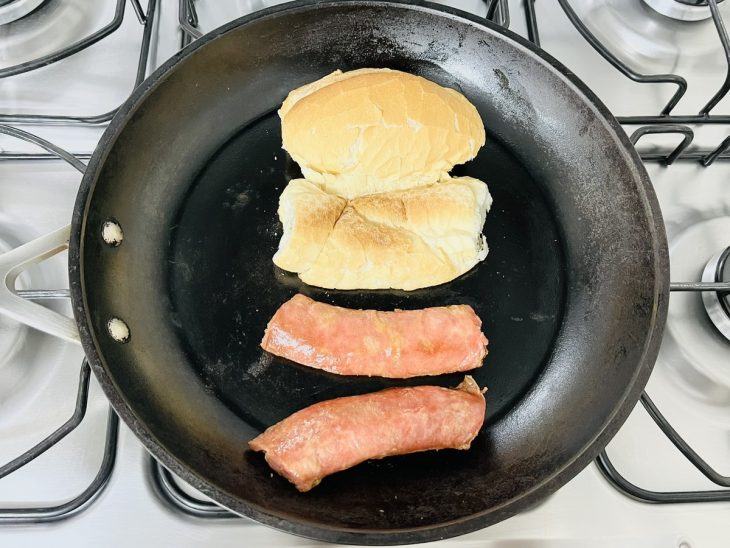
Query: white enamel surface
x=17, y=9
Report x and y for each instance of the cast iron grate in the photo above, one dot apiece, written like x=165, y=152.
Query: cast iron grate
x=176, y=498
x=667, y=497
x=146, y=19
x=76, y=505
x=665, y=122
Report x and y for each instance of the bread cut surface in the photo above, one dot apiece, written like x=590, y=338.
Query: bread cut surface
x=369, y=131
x=308, y=215
x=404, y=239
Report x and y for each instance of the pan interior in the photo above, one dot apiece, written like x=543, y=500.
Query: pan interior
x=224, y=287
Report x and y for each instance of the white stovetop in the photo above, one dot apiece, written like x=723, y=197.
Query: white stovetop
x=36, y=197
x=584, y=513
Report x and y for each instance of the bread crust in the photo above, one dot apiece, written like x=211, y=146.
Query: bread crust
x=369, y=131
x=308, y=215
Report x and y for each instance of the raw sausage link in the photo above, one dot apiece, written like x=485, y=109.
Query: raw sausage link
x=399, y=344
x=334, y=435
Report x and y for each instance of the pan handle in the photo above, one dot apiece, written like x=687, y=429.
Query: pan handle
x=12, y=263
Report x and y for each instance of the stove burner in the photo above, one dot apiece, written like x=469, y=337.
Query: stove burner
x=682, y=10
x=717, y=304
x=12, y=10
x=693, y=359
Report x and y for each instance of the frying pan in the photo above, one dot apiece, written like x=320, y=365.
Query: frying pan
x=573, y=294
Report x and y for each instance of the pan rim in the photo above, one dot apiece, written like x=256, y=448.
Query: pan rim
x=309, y=529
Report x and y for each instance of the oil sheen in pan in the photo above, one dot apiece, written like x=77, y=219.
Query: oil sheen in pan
x=225, y=288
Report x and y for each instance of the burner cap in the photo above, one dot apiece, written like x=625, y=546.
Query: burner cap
x=12, y=10
x=682, y=10
x=717, y=304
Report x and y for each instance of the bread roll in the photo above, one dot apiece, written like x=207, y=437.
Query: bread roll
x=375, y=130
x=405, y=239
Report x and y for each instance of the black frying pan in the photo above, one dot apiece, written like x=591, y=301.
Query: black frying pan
x=573, y=294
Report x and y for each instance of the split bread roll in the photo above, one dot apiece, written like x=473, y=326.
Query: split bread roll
x=405, y=239
x=375, y=130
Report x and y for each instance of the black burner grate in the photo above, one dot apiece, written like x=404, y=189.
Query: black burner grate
x=667, y=497
x=665, y=122
x=45, y=514
x=145, y=18
x=170, y=492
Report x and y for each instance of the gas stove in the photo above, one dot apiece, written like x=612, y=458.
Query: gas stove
x=71, y=474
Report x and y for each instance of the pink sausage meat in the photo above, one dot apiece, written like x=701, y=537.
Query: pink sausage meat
x=398, y=344
x=334, y=435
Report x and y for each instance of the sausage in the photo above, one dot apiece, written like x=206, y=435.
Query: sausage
x=334, y=435
x=399, y=344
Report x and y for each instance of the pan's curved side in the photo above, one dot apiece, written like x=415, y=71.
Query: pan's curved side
x=586, y=126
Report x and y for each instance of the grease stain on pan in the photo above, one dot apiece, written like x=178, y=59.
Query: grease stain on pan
x=183, y=269
x=540, y=317
x=502, y=79
x=237, y=199
x=210, y=370
x=518, y=107
x=261, y=365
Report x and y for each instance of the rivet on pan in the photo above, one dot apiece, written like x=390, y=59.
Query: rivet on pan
x=112, y=233
x=118, y=330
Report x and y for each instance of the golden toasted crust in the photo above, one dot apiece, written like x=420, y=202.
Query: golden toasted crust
x=308, y=215
x=360, y=254
x=376, y=130
x=433, y=211
x=403, y=239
